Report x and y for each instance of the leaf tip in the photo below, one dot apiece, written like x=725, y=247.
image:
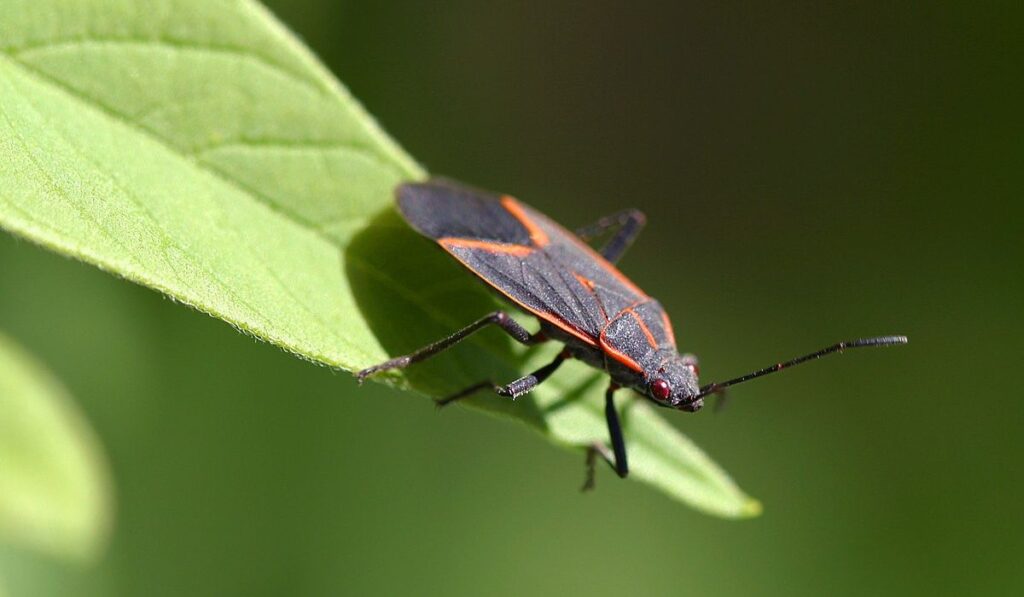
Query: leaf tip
x=752, y=508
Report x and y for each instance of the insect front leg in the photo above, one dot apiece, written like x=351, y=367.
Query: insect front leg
x=511, y=390
x=628, y=224
x=499, y=318
x=616, y=457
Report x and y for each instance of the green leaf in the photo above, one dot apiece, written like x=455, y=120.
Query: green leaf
x=54, y=490
x=197, y=148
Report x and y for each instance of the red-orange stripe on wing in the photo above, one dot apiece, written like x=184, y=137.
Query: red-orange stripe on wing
x=618, y=355
x=587, y=283
x=518, y=250
x=644, y=328
x=667, y=324
x=608, y=267
x=590, y=286
x=467, y=243
x=537, y=235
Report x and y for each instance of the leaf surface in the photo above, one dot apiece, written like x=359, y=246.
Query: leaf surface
x=54, y=490
x=197, y=148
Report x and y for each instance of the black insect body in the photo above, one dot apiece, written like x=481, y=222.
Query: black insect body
x=581, y=299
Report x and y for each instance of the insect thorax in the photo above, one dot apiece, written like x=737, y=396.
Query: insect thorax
x=594, y=357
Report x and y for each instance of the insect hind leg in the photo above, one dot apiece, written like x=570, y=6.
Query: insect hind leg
x=627, y=224
x=498, y=318
x=616, y=457
x=511, y=390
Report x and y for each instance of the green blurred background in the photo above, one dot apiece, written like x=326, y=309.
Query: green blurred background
x=810, y=172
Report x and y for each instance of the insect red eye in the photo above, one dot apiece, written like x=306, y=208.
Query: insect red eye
x=660, y=389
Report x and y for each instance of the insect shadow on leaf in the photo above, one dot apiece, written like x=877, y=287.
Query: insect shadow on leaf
x=410, y=294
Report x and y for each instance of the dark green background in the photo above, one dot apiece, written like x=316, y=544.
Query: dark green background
x=810, y=173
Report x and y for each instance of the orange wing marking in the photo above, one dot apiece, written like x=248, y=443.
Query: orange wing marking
x=538, y=236
x=466, y=243
x=589, y=285
x=615, y=353
x=620, y=356
x=519, y=251
x=667, y=324
x=608, y=267
x=643, y=326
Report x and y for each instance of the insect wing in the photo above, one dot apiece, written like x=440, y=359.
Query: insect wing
x=523, y=254
x=441, y=209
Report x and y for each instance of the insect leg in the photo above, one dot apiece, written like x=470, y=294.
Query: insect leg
x=511, y=390
x=628, y=224
x=616, y=458
x=499, y=318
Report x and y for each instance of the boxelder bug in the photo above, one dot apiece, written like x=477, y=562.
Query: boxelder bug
x=580, y=298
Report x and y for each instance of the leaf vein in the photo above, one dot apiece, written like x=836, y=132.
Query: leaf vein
x=165, y=238
x=170, y=45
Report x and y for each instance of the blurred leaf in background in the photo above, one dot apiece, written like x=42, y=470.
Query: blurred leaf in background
x=55, y=492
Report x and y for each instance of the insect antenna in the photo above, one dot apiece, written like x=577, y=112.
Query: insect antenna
x=711, y=388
